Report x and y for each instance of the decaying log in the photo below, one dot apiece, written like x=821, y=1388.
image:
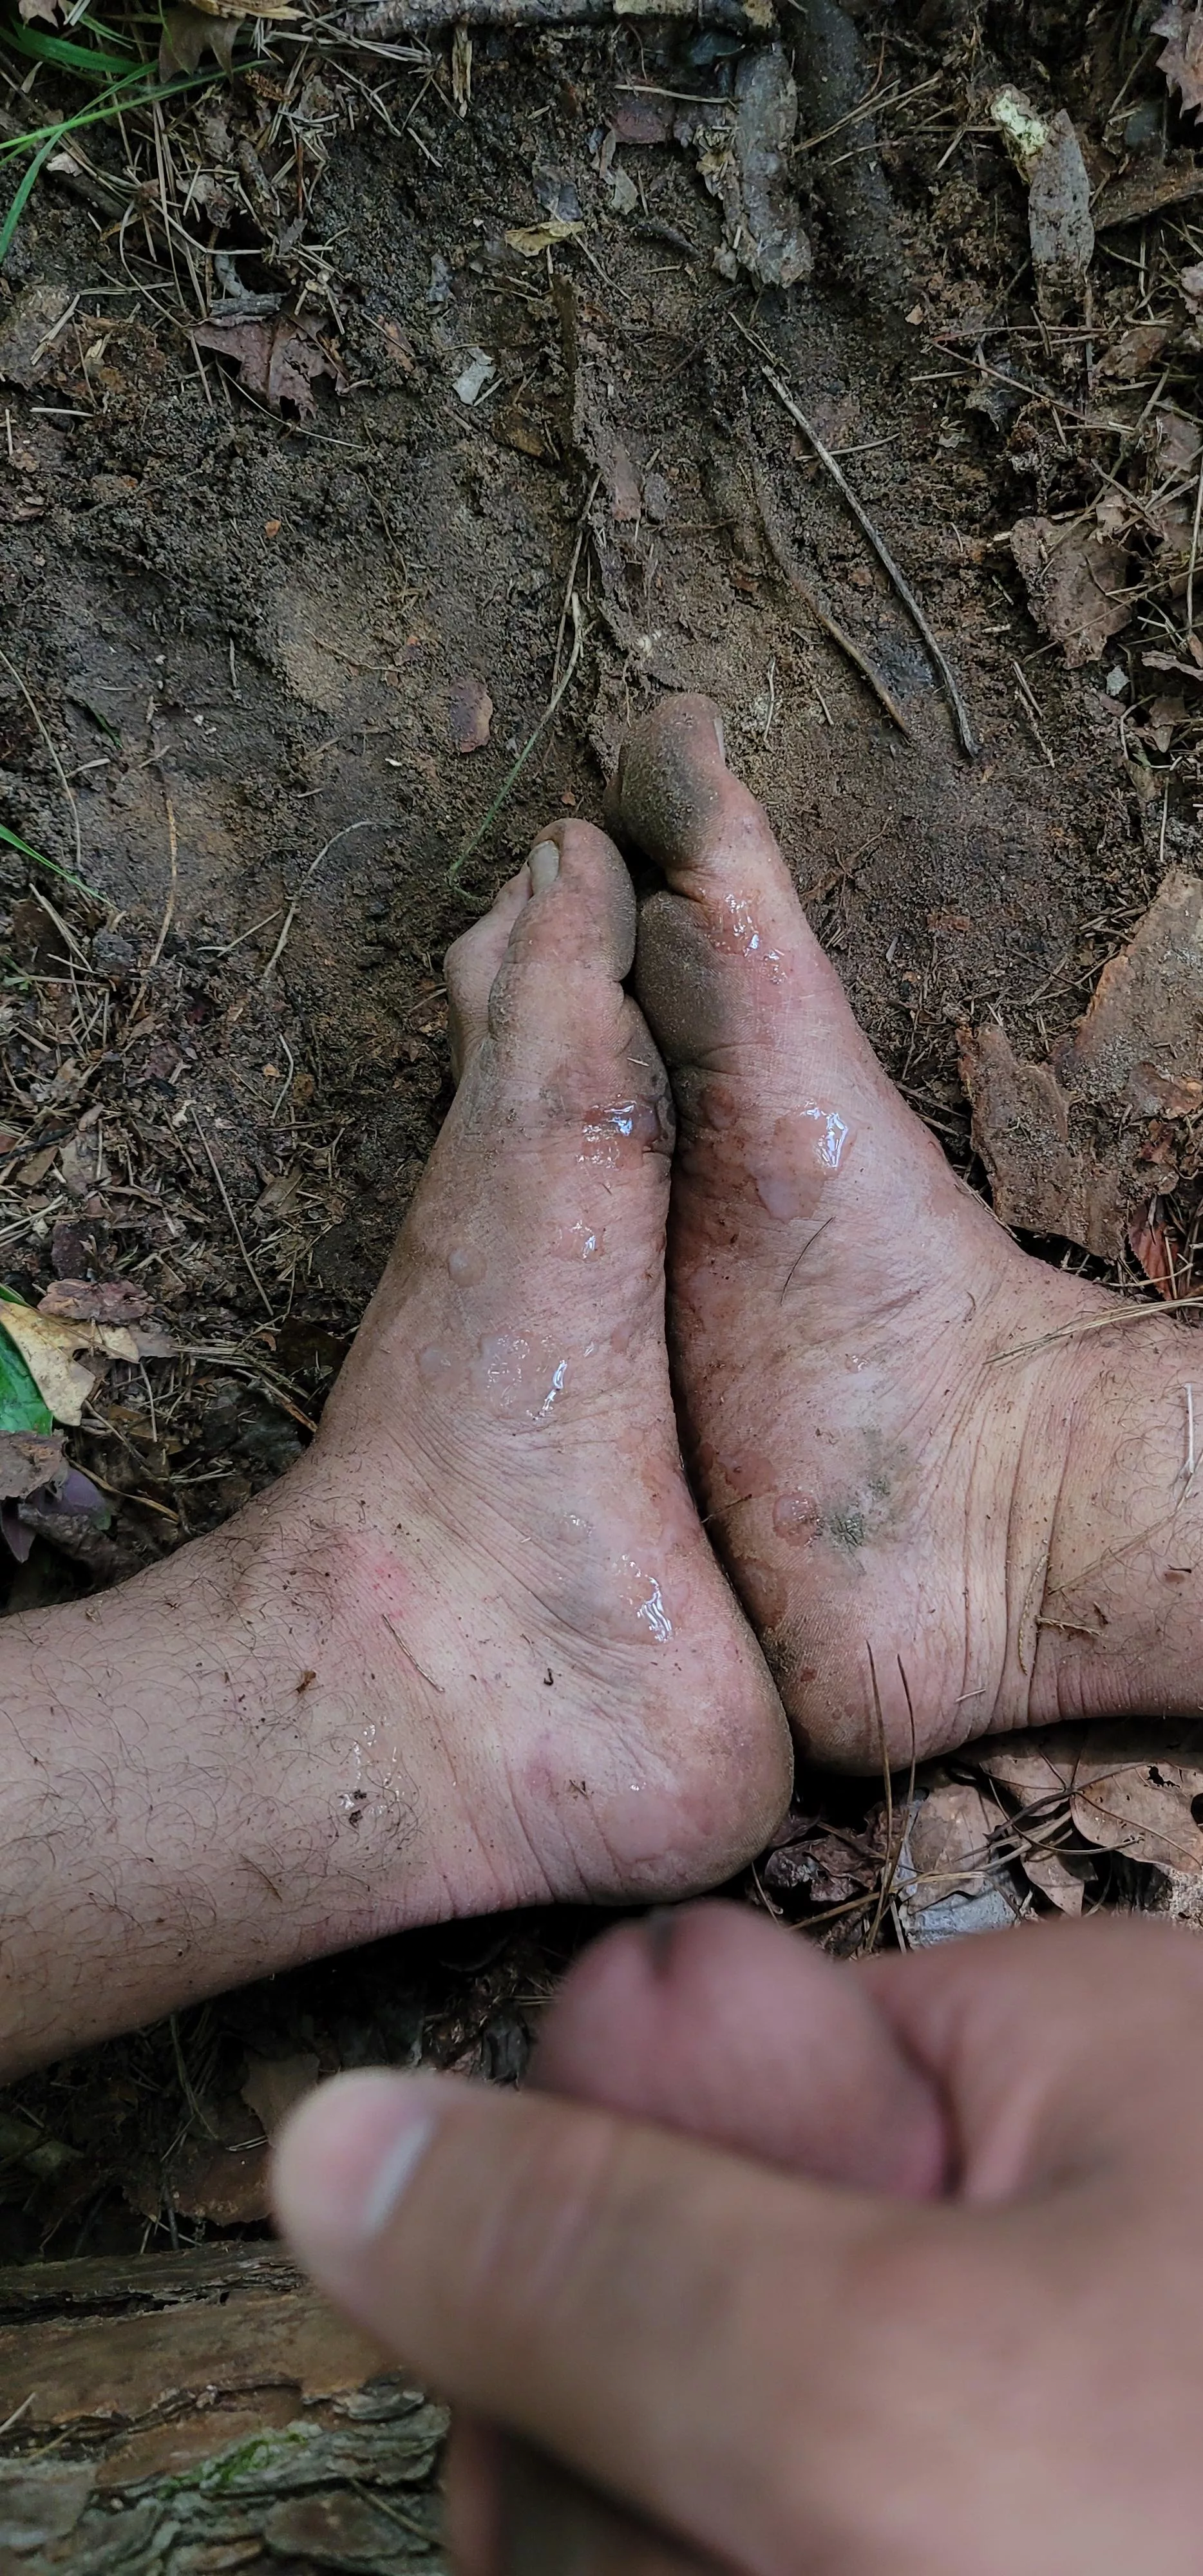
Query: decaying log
x=188, y=2414
x=389, y=20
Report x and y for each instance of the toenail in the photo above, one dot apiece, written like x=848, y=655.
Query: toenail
x=721, y=738
x=544, y=865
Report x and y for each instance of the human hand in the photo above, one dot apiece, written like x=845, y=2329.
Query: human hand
x=780, y=2372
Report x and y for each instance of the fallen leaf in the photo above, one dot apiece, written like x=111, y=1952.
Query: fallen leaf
x=1134, y=351
x=639, y=121
x=1064, y=1143
x=1075, y=584
x=96, y=1301
x=1159, y=1253
x=1130, y=1785
x=531, y=240
x=476, y=376
x=1182, y=58
x=278, y=359
x=23, y=1408
x=28, y=1459
x=272, y=2085
x=949, y=1843
x=469, y=713
x=226, y=2185
x=48, y=1344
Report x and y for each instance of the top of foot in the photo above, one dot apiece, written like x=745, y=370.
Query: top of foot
x=883, y=1482
x=516, y=1538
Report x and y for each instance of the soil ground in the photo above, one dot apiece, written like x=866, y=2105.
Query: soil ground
x=252, y=633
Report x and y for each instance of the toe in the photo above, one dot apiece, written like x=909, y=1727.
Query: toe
x=559, y=1019
x=675, y=798
x=726, y=956
x=471, y=968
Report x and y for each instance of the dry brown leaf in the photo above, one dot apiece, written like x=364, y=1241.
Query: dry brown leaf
x=1075, y=583
x=1077, y=1147
x=1131, y=1785
x=278, y=359
x=1182, y=59
x=49, y=1345
x=469, y=713
x=531, y=240
x=949, y=1843
x=273, y=2085
x=96, y=1301
x=28, y=1460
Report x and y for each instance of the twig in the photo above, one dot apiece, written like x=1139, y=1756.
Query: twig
x=363, y=825
x=790, y=573
x=225, y=1197
x=1095, y=1324
x=1194, y=558
x=420, y=18
x=60, y=772
x=968, y=738
x=565, y=612
x=169, y=915
x=475, y=838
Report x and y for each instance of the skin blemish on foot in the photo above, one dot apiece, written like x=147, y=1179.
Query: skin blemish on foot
x=812, y=1148
x=465, y=1265
x=580, y=1242
x=437, y=1368
x=797, y=1518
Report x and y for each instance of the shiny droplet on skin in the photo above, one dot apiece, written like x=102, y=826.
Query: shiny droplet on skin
x=796, y=1517
x=465, y=1265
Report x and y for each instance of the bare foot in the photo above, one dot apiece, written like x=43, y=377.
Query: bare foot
x=474, y=1650
x=917, y=1518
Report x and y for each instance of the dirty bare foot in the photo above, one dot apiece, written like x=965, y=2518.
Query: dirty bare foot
x=473, y=1651
x=928, y=1506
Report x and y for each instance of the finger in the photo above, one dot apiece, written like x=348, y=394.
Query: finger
x=552, y=2525
x=709, y=2019
x=1055, y=2045
x=512, y=2512
x=625, y=2300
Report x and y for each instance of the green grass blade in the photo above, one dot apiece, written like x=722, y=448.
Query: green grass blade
x=24, y=193
x=14, y=842
x=65, y=56
x=119, y=98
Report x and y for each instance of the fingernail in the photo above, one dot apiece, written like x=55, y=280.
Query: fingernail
x=544, y=865
x=347, y=2157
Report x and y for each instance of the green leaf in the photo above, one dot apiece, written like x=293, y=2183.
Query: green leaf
x=21, y=1406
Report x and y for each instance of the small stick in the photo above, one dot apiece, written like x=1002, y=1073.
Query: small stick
x=475, y=838
x=968, y=738
x=290, y=916
x=1095, y=1324
x=1190, y=1437
x=421, y=18
x=225, y=1196
x=48, y=739
x=790, y=573
x=569, y=586
x=169, y=915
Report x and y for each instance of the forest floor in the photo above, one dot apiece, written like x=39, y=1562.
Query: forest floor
x=371, y=416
